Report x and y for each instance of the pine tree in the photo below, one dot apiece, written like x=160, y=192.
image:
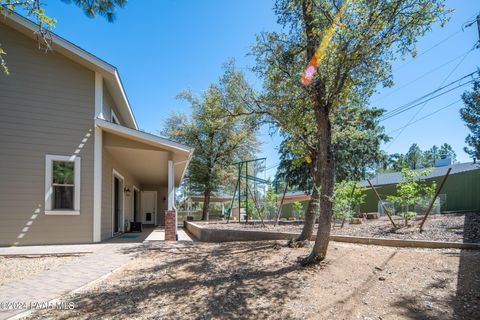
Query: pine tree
x=471, y=115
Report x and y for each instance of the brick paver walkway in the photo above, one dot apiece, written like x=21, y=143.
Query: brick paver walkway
x=51, y=284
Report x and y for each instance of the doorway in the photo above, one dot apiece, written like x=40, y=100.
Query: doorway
x=117, y=203
x=136, y=204
x=149, y=207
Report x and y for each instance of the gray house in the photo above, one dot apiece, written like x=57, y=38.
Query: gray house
x=74, y=168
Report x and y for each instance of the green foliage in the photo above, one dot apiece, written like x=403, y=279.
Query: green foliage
x=357, y=148
x=105, y=8
x=297, y=208
x=347, y=199
x=471, y=116
x=270, y=203
x=415, y=158
x=358, y=59
x=412, y=189
x=218, y=139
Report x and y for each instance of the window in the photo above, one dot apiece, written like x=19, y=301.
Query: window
x=115, y=118
x=62, y=185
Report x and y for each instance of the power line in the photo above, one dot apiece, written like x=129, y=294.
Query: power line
x=426, y=116
x=425, y=103
x=421, y=99
x=428, y=100
x=420, y=77
x=429, y=49
x=466, y=24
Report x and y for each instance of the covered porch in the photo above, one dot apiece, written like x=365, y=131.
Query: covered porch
x=138, y=177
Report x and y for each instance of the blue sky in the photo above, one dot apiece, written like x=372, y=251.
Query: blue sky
x=163, y=47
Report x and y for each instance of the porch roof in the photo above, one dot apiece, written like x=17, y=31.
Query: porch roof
x=145, y=155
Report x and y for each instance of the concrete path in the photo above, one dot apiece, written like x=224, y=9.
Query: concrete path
x=159, y=235
x=52, y=284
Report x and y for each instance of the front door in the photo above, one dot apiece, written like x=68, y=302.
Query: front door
x=149, y=212
x=117, y=203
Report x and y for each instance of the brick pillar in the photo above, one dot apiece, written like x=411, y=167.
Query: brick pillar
x=170, y=225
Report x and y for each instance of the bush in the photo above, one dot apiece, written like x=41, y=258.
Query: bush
x=411, y=189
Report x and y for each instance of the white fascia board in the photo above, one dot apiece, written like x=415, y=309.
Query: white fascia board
x=125, y=98
x=143, y=136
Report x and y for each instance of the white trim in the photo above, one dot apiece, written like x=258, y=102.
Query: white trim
x=48, y=184
x=114, y=118
x=125, y=98
x=97, y=184
x=171, y=185
x=133, y=202
x=62, y=213
x=115, y=173
x=99, y=95
x=143, y=136
x=155, y=204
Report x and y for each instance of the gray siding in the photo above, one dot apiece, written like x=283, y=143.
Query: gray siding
x=109, y=105
x=46, y=107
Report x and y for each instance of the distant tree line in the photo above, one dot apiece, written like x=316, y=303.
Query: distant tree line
x=416, y=158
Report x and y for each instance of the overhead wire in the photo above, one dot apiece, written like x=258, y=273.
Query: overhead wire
x=426, y=116
x=426, y=102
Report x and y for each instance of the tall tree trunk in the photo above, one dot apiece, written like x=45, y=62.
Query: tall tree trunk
x=310, y=216
x=206, y=204
x=326, y=179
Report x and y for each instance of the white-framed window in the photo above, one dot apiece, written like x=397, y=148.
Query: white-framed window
x=114, y=118
x=62, y=185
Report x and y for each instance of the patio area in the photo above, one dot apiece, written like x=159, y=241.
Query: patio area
x=149, y=233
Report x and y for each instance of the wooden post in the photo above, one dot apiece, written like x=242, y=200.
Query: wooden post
x=381, y=201
x=434, y=198
x=279, y=212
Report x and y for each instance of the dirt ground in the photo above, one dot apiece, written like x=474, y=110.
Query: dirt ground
x=13, y=269
x=464, y=227
x=262, y=280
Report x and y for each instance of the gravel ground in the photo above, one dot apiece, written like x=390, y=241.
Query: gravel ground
x=262, y=280
x=445, y=227
x=13, y=269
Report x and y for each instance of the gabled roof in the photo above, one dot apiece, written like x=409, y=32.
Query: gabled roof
x=395, y=177
x=109, y=72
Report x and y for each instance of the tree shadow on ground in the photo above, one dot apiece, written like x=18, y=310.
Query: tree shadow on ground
x=465, y=304
x=200, y=282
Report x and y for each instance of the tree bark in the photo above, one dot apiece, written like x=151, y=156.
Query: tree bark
x=206, y=204
x=310, y=216
x=326, y=179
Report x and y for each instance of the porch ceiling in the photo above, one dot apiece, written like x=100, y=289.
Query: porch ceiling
x=148, y=166
x=143, y=155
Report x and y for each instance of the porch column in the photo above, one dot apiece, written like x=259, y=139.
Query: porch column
x=171, y=186
x=171, y=216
